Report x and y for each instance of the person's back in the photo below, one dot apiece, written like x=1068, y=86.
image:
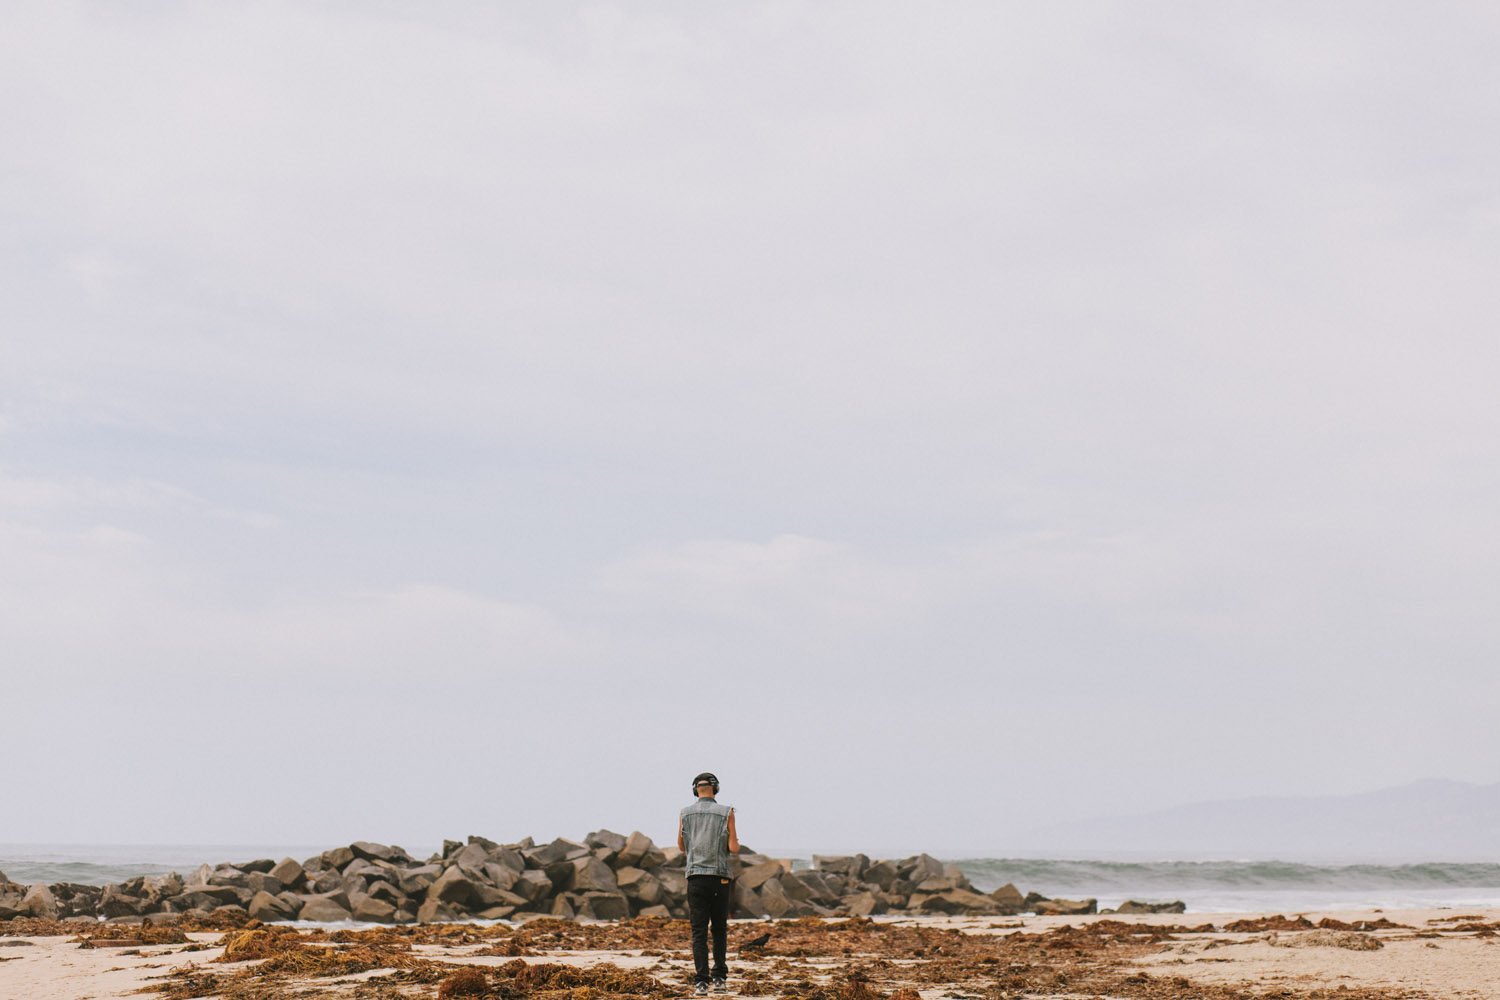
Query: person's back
x=706, y=834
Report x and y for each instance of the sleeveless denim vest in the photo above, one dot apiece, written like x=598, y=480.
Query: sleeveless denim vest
x=705, y=831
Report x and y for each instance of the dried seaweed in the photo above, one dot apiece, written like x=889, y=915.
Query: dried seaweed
x=806, y=959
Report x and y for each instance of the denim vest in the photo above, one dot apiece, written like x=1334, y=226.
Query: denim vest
x=705, y=830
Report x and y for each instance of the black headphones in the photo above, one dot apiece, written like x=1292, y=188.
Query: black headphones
x=706, y=778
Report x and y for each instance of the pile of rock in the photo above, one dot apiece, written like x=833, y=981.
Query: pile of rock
x=607, y=876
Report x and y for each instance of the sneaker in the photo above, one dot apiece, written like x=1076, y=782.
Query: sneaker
x=721, y=986
x=701, y=990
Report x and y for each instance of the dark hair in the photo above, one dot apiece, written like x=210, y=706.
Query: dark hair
x=706, y=778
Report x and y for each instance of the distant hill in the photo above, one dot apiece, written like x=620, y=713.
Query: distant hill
x=1432, y=819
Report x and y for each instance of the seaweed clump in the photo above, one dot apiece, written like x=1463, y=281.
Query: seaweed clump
x=261, y=942
x=606, y=977
x=1276, y=923
x=469, y=982
x=119, y=936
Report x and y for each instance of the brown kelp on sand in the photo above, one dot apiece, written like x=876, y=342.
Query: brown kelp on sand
x=805, y=959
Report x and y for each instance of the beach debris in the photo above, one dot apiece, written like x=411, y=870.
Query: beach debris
x=1349, y=940
x=1259, y=925
x=469, y=982
x=807, y=958
x=1331, y=924
x=257, y=943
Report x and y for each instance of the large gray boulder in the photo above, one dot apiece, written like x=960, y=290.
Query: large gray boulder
x=487, y=896
x=116, y=903
x=363, y=868
x=1137, y=906
x=560, y=873
x=325, y=908
x=864, y=904
x=509, y=857
x=1065, y=907
x=922, y=866
x=603, y=906
x=500, y=876
x=289, y=872
x=882, y=874
x=746, y=902
x=794, y=888
x=209, y=897
x=266, y=907
x=607, y=840
x=673, y=885
x=640, y=886
x=639, y=852
x=381, y=889
x=156, y=888
x=10, y=901
x=1009, y=899
x=434, y=912
x=228, y=875
x=817, y=886
x=39, y=902
x=258, y=882
x=415, y=881
x=377, y=852
x=941, y=883
x=453, y=886
x=559, y=850
x=774, y=900
x=591, y=875
x=374, y=910
x=953, y=901
x=532, y=885
x=471, y=859
x=757, y=875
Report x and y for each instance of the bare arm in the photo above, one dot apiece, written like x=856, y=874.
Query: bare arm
x=734, y=838
x=681, y=846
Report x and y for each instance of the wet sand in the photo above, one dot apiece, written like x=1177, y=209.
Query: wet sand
x=1438, y=954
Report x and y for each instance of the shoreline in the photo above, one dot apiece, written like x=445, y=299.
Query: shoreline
x=1203, y=886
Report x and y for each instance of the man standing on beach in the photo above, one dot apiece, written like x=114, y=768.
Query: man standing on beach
x=705, y=833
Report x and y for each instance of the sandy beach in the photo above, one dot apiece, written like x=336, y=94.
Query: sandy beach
x=1413, y=954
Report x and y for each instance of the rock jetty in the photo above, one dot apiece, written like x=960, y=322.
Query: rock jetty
x=606, y=876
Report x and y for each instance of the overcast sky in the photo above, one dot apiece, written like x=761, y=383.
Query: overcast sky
x=421, y=419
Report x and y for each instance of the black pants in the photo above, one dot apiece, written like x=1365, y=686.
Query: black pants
x=708, y=900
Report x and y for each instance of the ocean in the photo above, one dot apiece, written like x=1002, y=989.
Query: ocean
x=1205, y=886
